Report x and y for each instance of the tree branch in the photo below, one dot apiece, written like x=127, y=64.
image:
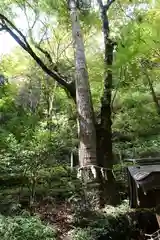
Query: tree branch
x=153, y=93
x=100, y=4
x=6, y=21
x=2, y=28
x=121, y=8
x=116, y=91
x=104, y=16
x=109, y=3
x=53, y=65
x=47, y=55
x=18, y=36
x=106, y=6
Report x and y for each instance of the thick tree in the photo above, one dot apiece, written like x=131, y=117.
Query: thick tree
x=88, y=169
x=104, y=143
x=87, y=132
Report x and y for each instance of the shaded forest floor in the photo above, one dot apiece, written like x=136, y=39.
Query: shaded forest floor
x=59, y=203
x=116, y=222
x=59, y=215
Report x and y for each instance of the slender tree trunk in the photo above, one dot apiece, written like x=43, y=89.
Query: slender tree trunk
x=104, y=139
x=153, y=94
x=87, y=131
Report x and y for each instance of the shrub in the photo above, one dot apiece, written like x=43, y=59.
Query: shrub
x=20, y=228
x=115, y=223
x=82, y=234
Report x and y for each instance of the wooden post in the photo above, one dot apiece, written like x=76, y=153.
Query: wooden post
x=158, y=219
x=71, y=161
x=158, y=214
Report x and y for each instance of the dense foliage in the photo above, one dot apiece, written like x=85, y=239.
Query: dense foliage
x=25, y=228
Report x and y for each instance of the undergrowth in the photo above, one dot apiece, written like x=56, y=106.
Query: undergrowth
x=25, y=228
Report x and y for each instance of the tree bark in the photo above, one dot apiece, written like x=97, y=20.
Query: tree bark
x=108, y=189
x=88, y=171
x=87, y=132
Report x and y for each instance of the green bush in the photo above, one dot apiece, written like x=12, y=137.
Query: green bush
x=115, y=223
x=82, y=234
x=21, y=228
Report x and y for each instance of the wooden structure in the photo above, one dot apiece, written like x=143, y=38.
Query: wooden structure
x=144, y=187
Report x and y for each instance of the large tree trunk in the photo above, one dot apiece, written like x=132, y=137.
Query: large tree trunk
x=87, y=132
x=108, y=189
x=88, y=170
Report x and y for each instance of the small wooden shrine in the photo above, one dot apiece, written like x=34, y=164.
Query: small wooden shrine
x=144, y=186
